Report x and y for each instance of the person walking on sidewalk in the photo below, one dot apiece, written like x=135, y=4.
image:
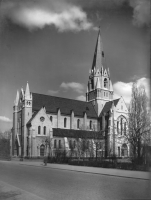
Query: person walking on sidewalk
x=45, y=160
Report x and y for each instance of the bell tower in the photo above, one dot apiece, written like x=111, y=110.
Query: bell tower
x=26, y=116
x=99, y=89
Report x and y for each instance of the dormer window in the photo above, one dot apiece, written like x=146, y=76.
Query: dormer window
x=105, y=82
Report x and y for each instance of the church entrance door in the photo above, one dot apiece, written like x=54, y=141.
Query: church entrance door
x=124, y=150
x=42, y=150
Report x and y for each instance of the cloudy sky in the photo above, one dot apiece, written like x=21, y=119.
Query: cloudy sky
x=51, y=44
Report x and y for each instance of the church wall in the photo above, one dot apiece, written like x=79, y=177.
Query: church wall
x=54, y=119
x=36, y=140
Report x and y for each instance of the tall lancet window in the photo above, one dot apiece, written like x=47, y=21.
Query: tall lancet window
x=92, y=84
x=90, y=125
x=39, y=129
x=44, y=130
x=117, y=126
x=121, y=126
x=105, y=82
x=65, y=122
x=102, y=53
x=78, y=123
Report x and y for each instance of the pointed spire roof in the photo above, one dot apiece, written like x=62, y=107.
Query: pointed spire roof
x=108, y=72
x=98, y=86
x=22, y=93
x=27, y=91
x=98, y=54
x=17, y=99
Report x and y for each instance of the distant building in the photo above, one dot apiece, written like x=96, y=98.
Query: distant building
x=41, y=119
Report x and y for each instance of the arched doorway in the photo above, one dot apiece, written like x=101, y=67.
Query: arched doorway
x=124, y=150
x=42, y=150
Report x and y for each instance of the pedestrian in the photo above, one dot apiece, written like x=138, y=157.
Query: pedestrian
x=45, y=160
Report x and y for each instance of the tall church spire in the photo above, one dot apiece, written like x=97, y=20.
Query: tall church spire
x=100, y=90
x=98, y=54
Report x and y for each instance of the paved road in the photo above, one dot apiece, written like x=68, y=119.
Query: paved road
x=19, y=182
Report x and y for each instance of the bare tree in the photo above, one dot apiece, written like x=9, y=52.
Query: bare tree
x=79, y=147
x=84, y=145
x=138, y=121
x=72, y=147
x=5, y=134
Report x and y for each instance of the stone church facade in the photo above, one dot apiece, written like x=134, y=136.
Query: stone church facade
x=43, y=124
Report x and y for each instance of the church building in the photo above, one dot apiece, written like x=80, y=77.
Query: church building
x=44, y=124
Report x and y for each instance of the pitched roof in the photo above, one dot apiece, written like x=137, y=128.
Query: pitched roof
x=116, y=101
x=108, y=105
x=58, y=132
x=52, y=104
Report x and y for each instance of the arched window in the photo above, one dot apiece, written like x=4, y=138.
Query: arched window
x=124, y=128
x=119, y=152
x=55, y=143
x=121, y=126
x=44, y=130
x=92, y=84
x=90, y=125
x=59, y=144
x=105, y=82
x=42, y=150
x=65, y=122
x=51, y=118
x=117, y=126
x=39, y=130
x=78, y=123
x=124, y=150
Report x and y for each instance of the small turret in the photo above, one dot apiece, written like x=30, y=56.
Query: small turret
x=27, y=92
x=108, y=72
x=17, y=99
x=98, y=85
x=111, y=87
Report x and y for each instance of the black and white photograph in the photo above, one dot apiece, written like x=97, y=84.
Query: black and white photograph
x=75, y=100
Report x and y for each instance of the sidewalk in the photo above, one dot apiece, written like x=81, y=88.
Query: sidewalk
x=8, y=191
x=93, y=170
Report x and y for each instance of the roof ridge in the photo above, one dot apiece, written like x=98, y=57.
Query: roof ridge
x=60, y=97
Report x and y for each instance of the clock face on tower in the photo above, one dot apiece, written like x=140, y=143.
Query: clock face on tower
x=42, y=119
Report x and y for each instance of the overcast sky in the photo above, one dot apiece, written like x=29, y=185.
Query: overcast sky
x=51, y=44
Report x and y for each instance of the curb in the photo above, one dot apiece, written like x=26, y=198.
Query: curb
x=120, y=176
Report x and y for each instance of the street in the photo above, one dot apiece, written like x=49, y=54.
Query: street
x=56, y=184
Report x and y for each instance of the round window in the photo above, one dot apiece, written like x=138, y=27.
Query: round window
x=42, y=119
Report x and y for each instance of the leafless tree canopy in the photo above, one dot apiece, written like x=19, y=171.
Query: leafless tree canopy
x=139, y=120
